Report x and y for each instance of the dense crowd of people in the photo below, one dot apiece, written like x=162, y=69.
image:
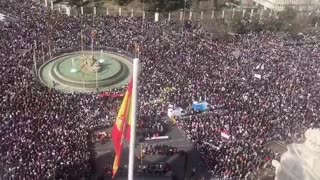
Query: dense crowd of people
x=159, y=150
x=278, y=106
x=157, y=169
x=270, y=91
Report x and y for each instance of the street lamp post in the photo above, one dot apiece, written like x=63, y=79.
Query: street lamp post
x=184, y=14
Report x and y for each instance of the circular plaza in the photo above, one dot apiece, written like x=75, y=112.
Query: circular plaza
x=86, y=71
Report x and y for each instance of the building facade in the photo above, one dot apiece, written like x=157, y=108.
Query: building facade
x=280, y=5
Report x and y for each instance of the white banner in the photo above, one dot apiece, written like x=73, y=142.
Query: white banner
x=225, y=134
x=257, y=76
x=157, y=138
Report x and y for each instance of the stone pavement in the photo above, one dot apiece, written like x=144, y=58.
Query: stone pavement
x=277, y=147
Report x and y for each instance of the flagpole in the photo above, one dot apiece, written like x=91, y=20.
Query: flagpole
x=49, y=50
x=141, y=153
x=42, y=52
x=34, y=57
x=97, y=86
x=81, y=42
x=93, y=34
x=133, y=118
x=83, y=81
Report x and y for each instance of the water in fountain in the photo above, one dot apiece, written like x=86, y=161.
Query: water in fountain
x=101, y=60
x=73, y=69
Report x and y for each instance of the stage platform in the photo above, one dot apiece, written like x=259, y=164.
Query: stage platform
x=181, y=165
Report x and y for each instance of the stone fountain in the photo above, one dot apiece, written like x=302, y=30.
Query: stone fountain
x=90, y=64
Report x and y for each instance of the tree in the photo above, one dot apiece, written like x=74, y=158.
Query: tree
x=287, y=21
x=218, y=29
x=74, y=2
x=314, y=18
x=122, y=2
x=165, y=5
x=238, y=25
x=288, y=14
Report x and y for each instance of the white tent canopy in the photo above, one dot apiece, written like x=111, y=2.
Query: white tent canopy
x=2, y=17
x=175, y=111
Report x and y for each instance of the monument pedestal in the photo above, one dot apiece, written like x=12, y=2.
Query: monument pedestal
x=301, y=161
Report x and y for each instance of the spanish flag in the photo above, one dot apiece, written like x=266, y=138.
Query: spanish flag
x=121, y=128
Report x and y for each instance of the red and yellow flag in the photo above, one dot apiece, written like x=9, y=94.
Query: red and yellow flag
x=121, y=128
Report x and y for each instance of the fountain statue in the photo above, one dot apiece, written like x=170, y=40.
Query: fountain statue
x=301, y=161
x=89, y=63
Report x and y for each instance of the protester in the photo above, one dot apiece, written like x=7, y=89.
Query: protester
x=269, y=92
x=159, y=150
x=156, y=169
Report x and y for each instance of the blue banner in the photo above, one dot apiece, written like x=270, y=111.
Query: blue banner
x=201, y=107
